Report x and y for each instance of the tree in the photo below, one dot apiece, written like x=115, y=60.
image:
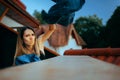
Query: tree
x=38, y=16
x=89, y=29
x=113, y=29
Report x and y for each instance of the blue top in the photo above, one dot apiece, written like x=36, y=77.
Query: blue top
x=26, y=58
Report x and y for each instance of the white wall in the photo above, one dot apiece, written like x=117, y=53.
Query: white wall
x=10, y=22
x=71, y=45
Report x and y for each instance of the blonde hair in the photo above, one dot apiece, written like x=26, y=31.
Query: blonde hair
x=20, y=46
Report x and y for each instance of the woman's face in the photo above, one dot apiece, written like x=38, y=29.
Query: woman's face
x=29, y=37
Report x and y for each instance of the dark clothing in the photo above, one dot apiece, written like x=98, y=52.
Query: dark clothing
x=62, y=12
x=42, y=56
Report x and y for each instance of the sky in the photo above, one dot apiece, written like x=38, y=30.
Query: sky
x=102, y=8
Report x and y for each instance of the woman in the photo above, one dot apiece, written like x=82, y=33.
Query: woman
x=29, y=47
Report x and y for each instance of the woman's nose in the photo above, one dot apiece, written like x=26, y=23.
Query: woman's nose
x=31, y=37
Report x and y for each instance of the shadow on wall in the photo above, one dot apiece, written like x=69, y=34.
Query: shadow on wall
x=7, y=46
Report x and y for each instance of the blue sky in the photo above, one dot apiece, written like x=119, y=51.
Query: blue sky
x=102, y=8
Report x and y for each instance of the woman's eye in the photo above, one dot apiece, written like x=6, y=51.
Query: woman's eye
x=33, y=34
x=27, y=35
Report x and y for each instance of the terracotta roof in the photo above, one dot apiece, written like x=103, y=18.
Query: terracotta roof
x=71, y=30
x=61, y=35
x=111, y=55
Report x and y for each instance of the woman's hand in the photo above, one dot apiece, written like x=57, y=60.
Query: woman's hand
x=52, y=27
x=47, y=34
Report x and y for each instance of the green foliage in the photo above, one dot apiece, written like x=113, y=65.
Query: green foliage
x=113, y=29
x=38, y=16
x=85, y=24
x=89, y=29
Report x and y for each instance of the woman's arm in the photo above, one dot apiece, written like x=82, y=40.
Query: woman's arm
x=46, y=35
